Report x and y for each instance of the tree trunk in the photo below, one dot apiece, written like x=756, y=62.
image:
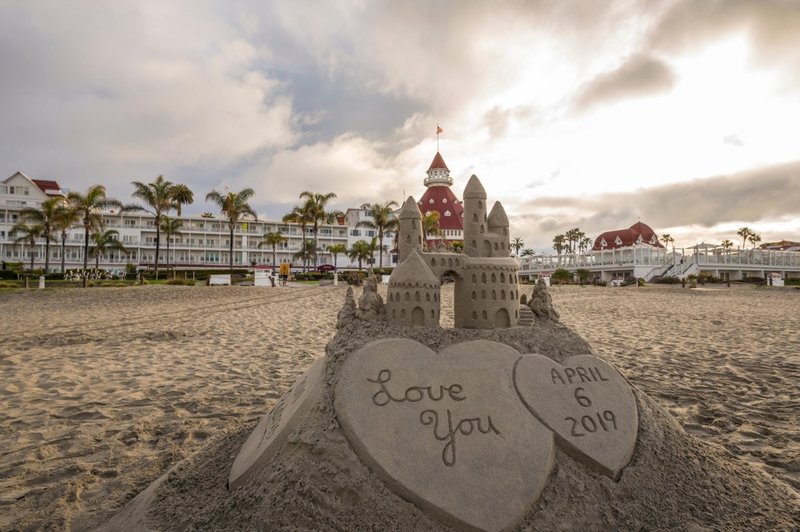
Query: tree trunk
x=46, y=253
x=305, y=259
x=231, y=248
x=380, y=250
x=85, y=249
x=273, y=259
x=97, y=261
x=158, y=244
x=63, y=248
x=32, y=251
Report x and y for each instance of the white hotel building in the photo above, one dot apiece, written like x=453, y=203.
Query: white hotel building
x=204, y=242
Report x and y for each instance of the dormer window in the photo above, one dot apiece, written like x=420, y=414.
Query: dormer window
x=618, y=241
x=447, y=213
x=444, y=200
x=430, y=200
x=603, y=243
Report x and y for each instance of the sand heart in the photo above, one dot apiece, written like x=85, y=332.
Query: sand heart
x=446, y=431
x=587, y=403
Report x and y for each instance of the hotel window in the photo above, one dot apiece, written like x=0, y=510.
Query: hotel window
x=26, y=191
x=431, y=200
x=3, y=189
x=444, y=200
x=447, y=213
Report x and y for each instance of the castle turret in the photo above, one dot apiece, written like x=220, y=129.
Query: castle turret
x=497, y=223
x=475, y=244
x=409, y=230
x=413, y=293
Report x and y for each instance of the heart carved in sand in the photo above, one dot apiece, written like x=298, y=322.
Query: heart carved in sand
x=587, y=403
x=446, y=431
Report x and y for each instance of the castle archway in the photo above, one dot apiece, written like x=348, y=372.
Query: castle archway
x=501, y=319
x=418, y=317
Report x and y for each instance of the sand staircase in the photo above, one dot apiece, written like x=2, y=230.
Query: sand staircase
x=525, y=316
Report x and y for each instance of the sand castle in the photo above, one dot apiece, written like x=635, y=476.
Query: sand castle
x=486, y=291
x=487, y=426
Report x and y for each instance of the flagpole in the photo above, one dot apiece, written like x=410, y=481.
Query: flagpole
x=437, y=138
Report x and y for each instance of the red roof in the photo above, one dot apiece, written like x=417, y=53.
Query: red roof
x=46, y=186
x=442, y=200
x=438, y=162
x=622, y=238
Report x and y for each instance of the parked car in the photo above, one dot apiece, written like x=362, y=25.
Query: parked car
x=616, y=282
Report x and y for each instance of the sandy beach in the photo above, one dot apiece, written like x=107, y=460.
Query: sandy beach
x=104, y=389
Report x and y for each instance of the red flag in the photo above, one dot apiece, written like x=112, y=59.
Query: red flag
x=439, y=130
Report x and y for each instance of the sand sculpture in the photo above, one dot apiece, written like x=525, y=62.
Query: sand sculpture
x=488, y=426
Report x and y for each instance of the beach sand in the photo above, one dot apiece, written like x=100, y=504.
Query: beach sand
x=104, y=389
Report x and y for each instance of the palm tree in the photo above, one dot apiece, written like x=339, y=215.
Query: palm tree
x=299, y=215
x=361, y=251
x=527, y=252
x=306, y=252
x=585, y=244
x=159, y=199
x=517, y=244
x=182, y=196
x=745, y=233
x=383, y=220
x=272, y=239
x=65, y=218
x=28, y=235
x=754, y=239
x=171, y=227
x=46, y=218
x=726, y=245
x=334, y=250
x=315, y=206
x=89, y=207
x=667, y=239
x=234, y=206
x=430, y=226
x=104, y=241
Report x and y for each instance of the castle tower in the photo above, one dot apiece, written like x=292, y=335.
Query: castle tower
x=410, y=229
x=497, y=223
x=475, y=242
x=413, y=293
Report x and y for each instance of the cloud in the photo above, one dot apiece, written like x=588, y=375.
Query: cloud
x=733, y=140
x=133, y=90
x=640, y=75
x=772, y=25
x=750, y=197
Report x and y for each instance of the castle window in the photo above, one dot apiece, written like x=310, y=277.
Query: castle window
x=450, y=263
x=402, y=313
x=503, y=295
x=502, y=277
x=433, y=262
x=390, y=297
x=475, y=218
x=496, y=246
x=483, y=278
x=483, y=230
x=474, y=315
x=474, y=295
x=408, y=296
x=427, y=296
x=474, y=279
x=474, y=244
x=494, y=295
x=435, y=297
x=494, y=278
x=433, y=315
x=394, y=313
x=483, y=294
x=483, y=314
x=480, y=204
x=417, y=297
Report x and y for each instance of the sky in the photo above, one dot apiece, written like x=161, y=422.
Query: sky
x=684, y=115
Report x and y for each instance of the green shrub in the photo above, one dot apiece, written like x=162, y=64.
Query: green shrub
x=791, y=282
x=561, y=276
x=180, y=282
x=8, y=275
x=667, y=280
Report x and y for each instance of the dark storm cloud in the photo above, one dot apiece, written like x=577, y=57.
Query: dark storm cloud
x=639, y=75
x=765, y=193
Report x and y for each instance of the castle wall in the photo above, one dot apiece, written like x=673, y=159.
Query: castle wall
x=413, y=305
x=490, y=295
